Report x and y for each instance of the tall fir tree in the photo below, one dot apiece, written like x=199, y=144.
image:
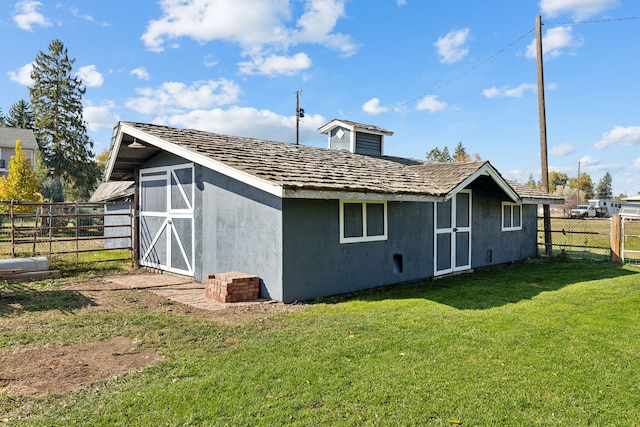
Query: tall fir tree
x=2, y=122
x=20, y=116
x=56, y=100
x=604, y=190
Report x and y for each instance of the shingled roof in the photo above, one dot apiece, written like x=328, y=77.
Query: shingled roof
x=290, y=170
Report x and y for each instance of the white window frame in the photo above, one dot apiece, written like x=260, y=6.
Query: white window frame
x=511, y=205
x=364, y=237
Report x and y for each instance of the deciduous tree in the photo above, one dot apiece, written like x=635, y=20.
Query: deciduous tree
x=557, y=179
x=21, y=183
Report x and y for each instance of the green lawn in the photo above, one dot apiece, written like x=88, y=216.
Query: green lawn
x=540, y=343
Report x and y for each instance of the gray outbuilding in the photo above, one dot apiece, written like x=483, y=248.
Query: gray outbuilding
x=313, y=222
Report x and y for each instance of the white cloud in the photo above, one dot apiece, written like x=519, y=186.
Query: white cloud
x=140, y=73
x=22, y=75
x=317, y=23
x=274, y=65
x=452, y=47
x=247, y=122
x=588, y=160
x=100, y=116
x=210, y=61
x=26, y=15
x=90, y=76
x=636, y=165
x=431, y=104
x=562, y=149
x=253, y=24
x=246, y=22
x=174, y=97
x=579, y=9
x=505, y=92
x=373, y=107
x=619, y=135
x=554, y=42
x=402, y=3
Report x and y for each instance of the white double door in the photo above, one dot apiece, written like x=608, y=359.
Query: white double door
x=166, y=218
x=452, y=242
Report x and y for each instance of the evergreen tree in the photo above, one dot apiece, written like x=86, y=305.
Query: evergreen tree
x=460, y=153
x=19, y=116
x=52, y=190
x=21, y=183
x=2, y=122
x=531, y=182
x=437, y=155
x=604, y=190
x=56, y=99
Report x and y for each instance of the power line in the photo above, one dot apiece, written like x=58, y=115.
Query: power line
x=508, y=46
x=597, y=21
x=464, y=73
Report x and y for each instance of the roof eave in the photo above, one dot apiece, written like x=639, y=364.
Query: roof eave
x=486, y=169
x=262, y=184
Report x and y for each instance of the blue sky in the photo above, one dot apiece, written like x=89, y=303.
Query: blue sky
x=433, y=72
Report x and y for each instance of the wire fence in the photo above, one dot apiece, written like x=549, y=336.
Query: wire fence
x=588, y=239
x=67, y=232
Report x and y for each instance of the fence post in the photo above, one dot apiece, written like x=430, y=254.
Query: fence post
x=13, y=230
x=616, y=235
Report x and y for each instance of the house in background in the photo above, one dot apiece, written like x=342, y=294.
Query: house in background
x=313, y=222
x=8, y=138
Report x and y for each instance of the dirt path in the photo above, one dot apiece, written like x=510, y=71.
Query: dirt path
x=34, y=372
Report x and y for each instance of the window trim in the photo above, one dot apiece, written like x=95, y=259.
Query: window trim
x=511, y=205
x=364, y=237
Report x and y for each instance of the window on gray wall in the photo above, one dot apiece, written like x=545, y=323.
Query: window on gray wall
x=362, y=221
x=511, y=216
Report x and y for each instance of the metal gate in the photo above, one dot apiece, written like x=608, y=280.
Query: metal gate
x=166, y=218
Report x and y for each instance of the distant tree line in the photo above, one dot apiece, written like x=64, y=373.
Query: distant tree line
x=579, y=188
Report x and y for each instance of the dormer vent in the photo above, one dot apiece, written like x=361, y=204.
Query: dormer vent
x=355, y=137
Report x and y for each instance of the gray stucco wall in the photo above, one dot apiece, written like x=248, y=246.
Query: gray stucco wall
x=490, y=245
x=293, y=245
x=238, y=228
x=317, y=264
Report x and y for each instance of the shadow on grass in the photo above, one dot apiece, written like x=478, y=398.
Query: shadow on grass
x=494, y=287
x=35, y=301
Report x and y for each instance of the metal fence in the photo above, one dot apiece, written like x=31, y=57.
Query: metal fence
x=588, y=238
x=68, y=232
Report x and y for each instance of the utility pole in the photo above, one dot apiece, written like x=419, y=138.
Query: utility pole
x=299, y=114
x=546, y=211
x=578, y=192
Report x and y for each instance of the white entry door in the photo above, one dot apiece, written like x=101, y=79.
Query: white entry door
x=452, y=245
x=166, y=218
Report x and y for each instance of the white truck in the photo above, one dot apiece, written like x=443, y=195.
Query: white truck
x=597, y=208
x=583, y=211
